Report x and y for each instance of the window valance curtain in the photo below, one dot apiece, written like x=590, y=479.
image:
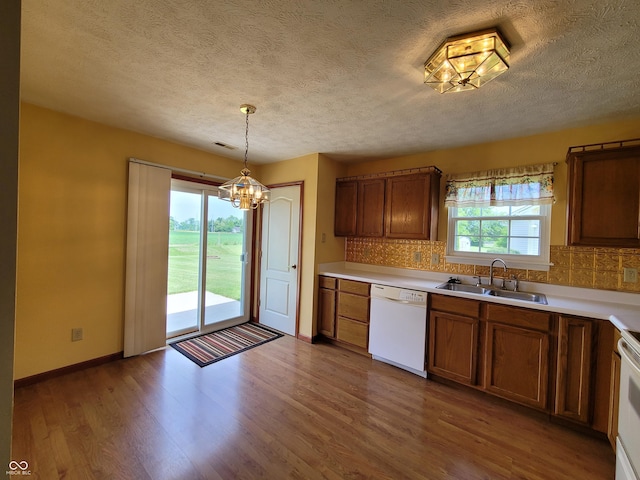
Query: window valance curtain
x=525, y=185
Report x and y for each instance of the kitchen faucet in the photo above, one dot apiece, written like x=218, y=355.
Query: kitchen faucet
x=504, y=265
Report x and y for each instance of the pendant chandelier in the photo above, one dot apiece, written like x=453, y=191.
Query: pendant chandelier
x=466, y=62
x=244, y=192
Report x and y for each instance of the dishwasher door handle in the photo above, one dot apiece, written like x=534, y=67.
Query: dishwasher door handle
x=387, y=299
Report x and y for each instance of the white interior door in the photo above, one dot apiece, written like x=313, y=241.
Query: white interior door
x=279, y=262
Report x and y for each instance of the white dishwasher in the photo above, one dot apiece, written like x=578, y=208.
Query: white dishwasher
x=398, y=327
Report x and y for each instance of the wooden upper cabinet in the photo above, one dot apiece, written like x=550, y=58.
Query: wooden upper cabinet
x=412, y=206
x=604, y=197
x=359, y=208
x=370, y=222
x=393, y=205
x=346, y=210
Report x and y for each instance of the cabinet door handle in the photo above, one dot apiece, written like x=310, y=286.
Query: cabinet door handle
x=294, y=266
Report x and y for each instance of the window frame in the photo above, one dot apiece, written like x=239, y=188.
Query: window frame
x=529, y=262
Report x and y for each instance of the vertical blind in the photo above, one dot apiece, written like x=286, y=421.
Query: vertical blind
x=146, y=260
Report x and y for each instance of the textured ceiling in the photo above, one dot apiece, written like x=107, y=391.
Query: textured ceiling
x=341, y=77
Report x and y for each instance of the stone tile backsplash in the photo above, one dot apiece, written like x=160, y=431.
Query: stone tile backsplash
x=600, y=268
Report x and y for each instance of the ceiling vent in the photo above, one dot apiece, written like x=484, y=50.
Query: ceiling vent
x=224, y=145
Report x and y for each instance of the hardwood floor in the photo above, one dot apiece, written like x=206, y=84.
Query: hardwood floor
x=286, y=409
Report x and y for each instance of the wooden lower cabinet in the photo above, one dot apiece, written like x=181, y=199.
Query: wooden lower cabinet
x=517, y=348
x=517, y=364
x=453, y=346
x=564, y=365
x=574, y=367
x=343, y=312
x=327, y=306
x=327, y=312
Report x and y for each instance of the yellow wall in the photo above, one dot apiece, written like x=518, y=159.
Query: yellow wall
x=328, y=247
x=544, y=148
x=71, y=233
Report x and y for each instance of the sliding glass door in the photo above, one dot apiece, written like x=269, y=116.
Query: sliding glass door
x=208, y=261
x=225, y=252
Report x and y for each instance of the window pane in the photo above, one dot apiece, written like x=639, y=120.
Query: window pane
x=525, y=228
x=495, y=228
x=467, y=244
x=225, y=262
x=525, y=246
x=184, y=257
x=494, y=244
x=467, y=212
x=468, y=227
x=525, y=210
x=495, y=211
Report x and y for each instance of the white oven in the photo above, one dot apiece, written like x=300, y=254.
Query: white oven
x=628, y=441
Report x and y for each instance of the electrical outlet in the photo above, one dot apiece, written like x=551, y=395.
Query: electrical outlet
x=630, y=275
x=76, y=334
x=435, y=259
x=417, y=257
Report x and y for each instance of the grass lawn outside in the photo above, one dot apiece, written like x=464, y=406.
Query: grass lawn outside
x=224, y=268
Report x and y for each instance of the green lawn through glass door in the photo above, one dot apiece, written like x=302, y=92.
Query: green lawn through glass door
x=224, y=250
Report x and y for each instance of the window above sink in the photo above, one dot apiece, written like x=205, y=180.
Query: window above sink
x=519, y=234
x=505, y=212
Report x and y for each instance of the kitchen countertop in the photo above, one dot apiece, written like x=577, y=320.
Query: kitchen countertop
x=622, y=309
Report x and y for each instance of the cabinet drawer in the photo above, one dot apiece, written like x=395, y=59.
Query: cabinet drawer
x=327, y=282
x=353, y=306
x=352, y=332
x=462, y=306
x=519, y=317
x=359, y=288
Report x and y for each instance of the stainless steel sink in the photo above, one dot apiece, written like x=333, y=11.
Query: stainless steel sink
x=494, y=292
x=527, y=297
x=458, y=287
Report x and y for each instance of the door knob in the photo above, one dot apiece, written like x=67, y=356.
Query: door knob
x=294, y=266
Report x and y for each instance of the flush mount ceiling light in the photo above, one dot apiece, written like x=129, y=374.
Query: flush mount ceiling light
x=466, y=62
x=244, y=192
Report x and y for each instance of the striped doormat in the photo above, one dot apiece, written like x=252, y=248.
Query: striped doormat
x=211, y=347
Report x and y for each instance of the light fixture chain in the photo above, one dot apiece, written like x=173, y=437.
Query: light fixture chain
x=246, y=140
